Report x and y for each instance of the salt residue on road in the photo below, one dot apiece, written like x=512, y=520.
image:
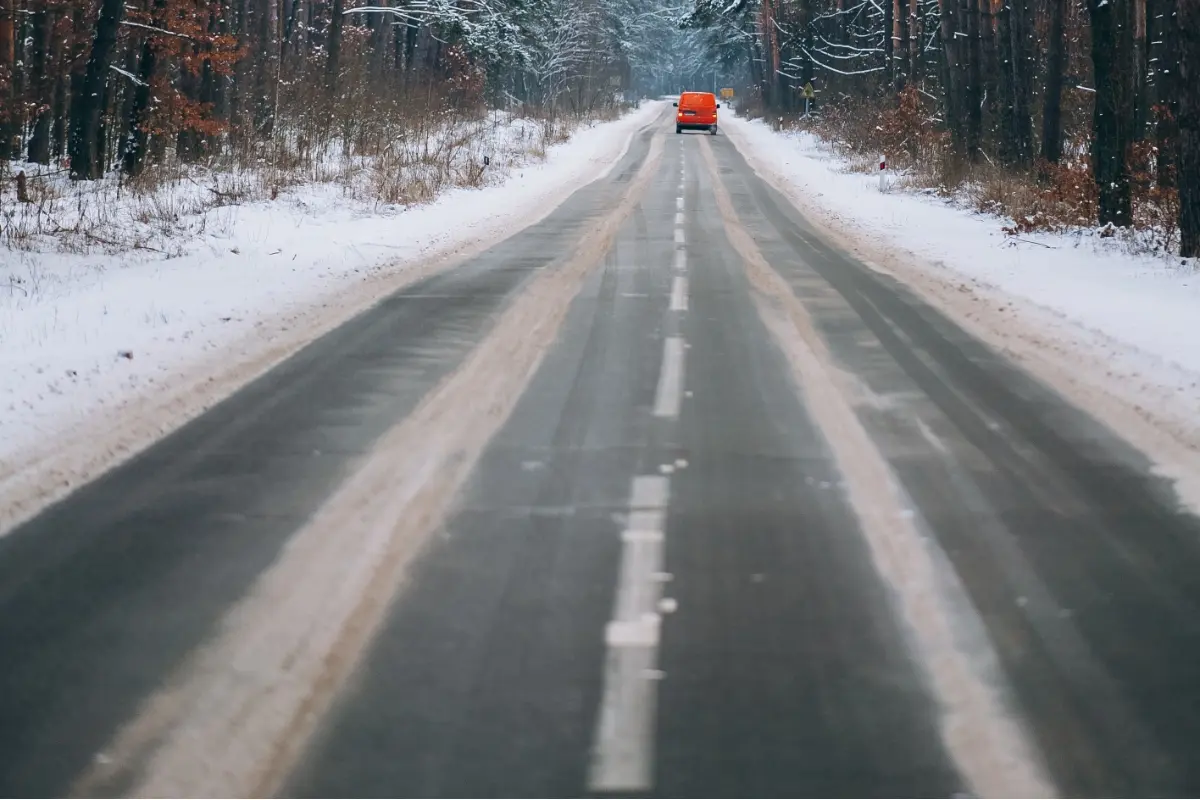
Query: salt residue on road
x=1110, y=330
x=102, y=354
x=233, y=721
x=989, y=746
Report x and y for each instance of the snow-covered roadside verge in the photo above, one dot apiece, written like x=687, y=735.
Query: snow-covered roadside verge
x=1109, y=330
x=101, y=355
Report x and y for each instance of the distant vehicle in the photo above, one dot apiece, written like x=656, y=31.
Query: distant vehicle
x=697, y=112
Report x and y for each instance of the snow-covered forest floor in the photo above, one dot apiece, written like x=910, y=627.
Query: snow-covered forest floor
x=172, y=205
x=1106, y=320
x=123, y=312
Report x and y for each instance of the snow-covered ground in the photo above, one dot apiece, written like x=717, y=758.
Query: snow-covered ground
x=102, y=353
x=1110, y=329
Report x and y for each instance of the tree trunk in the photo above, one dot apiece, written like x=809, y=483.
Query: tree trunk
x=239, y=90
x=900, y=65
x=59, y=130
x=1056, y=64
x=1188, y=31
x=974, y=85
x=1166, y=78
x=8, y=65
x=334, y=46
x=139, y=112
x=1112, y=60
x=1141, y=99
x=87, y=147
x=318, y=25
x=132, y=65
x=410, y=49
x=916, y=40
x=223, y=12
x=267, y=78
x=39, y=140
x=398, y=37
x=290, y=40
x=1006, y=96
x=953, y=74
x=889, y=39
x=210, y=82
x=1020, y=74
x=380, y=44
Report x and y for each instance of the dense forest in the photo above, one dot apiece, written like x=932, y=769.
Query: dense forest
x=1097, y=102
x=117, y=84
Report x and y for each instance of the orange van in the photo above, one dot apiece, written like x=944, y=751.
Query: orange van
x=697, y=112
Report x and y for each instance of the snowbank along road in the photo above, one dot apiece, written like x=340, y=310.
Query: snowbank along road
x=663, y=495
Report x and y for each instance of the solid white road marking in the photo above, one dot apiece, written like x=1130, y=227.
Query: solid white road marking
x=670, y=379
x=679, y=296
x=623, y=755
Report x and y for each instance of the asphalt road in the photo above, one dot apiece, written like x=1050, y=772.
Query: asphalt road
x=773, y=530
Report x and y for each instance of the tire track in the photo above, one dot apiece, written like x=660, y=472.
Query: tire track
x=234, y=720
x=990, y=748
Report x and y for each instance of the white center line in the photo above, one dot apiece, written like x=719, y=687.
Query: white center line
x=623, y=755
x=649, y=493
x=679, y=203
x=679, y=294
x=679, y=236
x=670, y=379
x=681, y=260
x=678, y=217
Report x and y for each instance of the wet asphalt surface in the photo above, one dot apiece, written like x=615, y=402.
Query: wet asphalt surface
x=784, y=668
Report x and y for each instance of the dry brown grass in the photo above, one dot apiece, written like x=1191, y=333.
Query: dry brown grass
x=1046, y=197
x=378, y=148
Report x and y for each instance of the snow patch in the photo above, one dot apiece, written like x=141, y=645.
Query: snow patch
x=1109, y=329
x=100, y=353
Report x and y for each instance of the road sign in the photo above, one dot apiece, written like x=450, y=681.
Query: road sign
x=727, y=94
x=808, y=91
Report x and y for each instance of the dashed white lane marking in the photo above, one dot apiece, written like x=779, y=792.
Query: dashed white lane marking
x=623, y=755
x=670, y=379
x=649, y=492
x=679, y=294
